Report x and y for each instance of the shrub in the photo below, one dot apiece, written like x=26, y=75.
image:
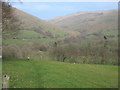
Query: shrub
x=12, y=51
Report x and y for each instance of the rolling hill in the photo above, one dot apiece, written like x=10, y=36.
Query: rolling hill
x=90, y=23
x=34, y=59
x=40, y=28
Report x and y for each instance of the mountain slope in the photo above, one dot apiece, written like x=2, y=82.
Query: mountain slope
x=89, y=22
x=36, y=25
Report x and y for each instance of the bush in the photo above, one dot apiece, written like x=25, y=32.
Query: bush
x=12, y=51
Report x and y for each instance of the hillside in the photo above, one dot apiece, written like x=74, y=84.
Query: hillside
x=31, y=24
x=35, y=35
x=52, y=74
x=90, y=23
x=59, y=53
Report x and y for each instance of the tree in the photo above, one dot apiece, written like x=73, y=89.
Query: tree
x=10, y=22
x=103, y=54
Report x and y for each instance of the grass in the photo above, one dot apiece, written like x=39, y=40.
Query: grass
x=17, y=41
x=29, y=34
x=112, y=32
x=33, y=34
x=52, y=74
x=58, y=32
x=0, y=73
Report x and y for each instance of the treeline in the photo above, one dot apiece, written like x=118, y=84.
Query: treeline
x=97, y=52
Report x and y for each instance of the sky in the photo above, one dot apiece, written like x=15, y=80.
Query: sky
x=47, y=10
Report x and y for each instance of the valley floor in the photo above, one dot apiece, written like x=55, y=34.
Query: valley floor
x=52, y=74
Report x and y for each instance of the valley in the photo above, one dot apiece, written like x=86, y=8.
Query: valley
x=79, y=50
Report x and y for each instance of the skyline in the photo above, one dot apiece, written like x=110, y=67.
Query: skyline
x=47, y=10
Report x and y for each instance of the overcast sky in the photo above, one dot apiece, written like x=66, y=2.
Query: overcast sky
x=46, y=10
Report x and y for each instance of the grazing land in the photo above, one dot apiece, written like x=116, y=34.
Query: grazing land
x=79, y=50
x=52, y=74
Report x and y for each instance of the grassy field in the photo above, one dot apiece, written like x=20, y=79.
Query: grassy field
x=52, y=74
x=29, y=34
x=43, y=40
x=0, y=73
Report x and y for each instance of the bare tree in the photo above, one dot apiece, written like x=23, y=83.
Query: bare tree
x=10, y=23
